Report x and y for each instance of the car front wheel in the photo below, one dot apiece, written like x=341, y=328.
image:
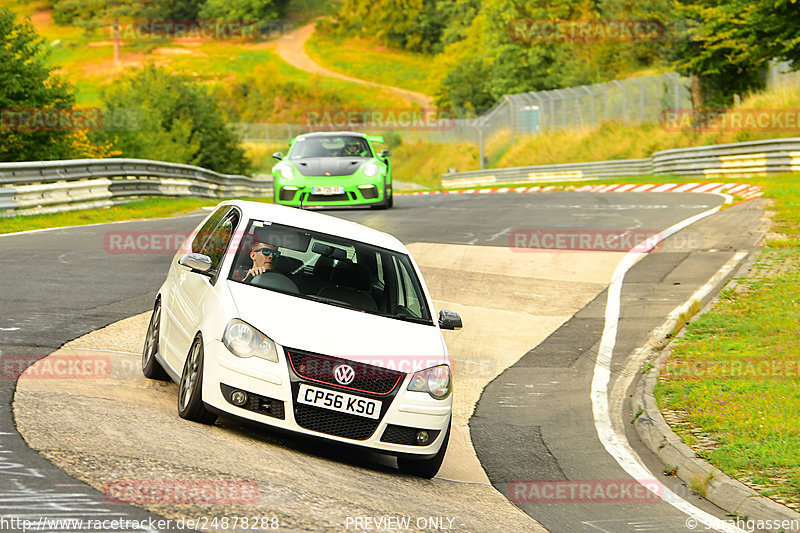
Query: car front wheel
x=190, y=393
x=425, y=468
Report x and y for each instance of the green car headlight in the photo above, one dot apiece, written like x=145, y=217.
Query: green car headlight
x=435, y=381
x=243, y=340
x=287, y=171
x=370, y=169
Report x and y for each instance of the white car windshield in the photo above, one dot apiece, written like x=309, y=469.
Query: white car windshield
x=330, y=269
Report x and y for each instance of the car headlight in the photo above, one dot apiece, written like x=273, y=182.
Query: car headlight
x=435, y=381
x=287, y=171
x=243, y=340
x=370, y=169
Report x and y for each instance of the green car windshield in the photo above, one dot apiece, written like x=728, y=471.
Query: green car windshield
x=332, y=270
x=329, y=146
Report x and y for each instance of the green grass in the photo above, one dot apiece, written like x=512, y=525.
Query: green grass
x=369, y=60
x=735, y=374
x=85, y=59
x=136, y=209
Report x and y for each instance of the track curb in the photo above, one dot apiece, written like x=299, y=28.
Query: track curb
x=745, y=190
x=722, y=490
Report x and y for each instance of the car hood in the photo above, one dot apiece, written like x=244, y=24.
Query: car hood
x=329, y=166
x=330, y=330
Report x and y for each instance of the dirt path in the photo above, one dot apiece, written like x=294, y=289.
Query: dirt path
x=291, y=48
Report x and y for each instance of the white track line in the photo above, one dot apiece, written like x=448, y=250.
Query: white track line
x=613, y=443
x=42, y=230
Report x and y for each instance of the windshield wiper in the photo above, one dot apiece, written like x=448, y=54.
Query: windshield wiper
x=401, y=316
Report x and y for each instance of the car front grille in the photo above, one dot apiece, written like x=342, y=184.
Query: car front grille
x=334, y=423
x=328, y=198
x=320, y=368
x=369, y=193
x=287, y=195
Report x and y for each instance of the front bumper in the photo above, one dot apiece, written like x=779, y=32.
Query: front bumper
x=359, y=194
x=274, y=387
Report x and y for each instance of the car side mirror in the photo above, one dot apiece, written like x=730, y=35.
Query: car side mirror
x=278, y=156
x=199, y=262
x=385, y=153
x=449, y=319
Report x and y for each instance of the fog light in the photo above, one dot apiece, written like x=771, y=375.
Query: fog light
x=240, y=398
x=422, y=437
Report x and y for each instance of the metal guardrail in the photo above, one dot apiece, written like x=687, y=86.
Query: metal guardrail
x=548, y=173
x=51, y=186
x=755, y=158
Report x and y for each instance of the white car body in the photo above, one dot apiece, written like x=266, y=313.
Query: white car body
x=195, y=303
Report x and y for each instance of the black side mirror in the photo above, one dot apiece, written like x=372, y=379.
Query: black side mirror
x=198, y=262
x=385, y=153
x=449, y=319
x=278, y=156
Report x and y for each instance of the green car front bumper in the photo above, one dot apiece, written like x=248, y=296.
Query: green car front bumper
x=330, y=192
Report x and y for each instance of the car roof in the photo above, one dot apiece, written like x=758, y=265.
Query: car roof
x=291, y=216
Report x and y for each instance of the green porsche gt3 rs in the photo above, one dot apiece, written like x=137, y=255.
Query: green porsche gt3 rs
x=333, y=169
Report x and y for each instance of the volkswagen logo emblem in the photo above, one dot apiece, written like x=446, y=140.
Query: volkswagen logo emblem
x=344, y=374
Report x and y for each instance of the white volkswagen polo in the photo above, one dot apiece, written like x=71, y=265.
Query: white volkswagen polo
x=309, y=323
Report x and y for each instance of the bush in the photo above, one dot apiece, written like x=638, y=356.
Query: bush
x=171, y=119
x=27, y=83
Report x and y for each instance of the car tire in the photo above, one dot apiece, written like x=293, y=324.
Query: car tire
x=425, y=468
x=151, y=368
x=390, y=201
x=387, y=202
x=190, y=388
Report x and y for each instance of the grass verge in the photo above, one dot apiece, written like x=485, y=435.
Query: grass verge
x=731, y=387
x=136, y=209
x=369, y=60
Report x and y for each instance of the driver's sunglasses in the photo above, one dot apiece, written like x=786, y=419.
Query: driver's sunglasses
x=266, y=251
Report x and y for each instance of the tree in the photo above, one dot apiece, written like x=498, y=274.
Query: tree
x=27, y=84
x=775, y=25
x=260, y=11
x=171, y=119
x=721, y=50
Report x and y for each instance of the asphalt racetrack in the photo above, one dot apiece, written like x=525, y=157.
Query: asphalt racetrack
x=533, y=319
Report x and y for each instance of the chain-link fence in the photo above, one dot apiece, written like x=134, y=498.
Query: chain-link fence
x=631, y=101
x=780, y=76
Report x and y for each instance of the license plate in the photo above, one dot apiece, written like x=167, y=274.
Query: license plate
x=327, y=191
x=339, y=401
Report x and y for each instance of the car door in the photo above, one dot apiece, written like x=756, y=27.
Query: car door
x=192, y=287
x=170, y=329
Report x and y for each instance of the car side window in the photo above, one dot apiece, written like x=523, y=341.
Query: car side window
x=202, y=235
x=218, y=240
x=406, y=294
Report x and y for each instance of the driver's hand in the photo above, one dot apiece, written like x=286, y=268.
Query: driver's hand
x=256, y=270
